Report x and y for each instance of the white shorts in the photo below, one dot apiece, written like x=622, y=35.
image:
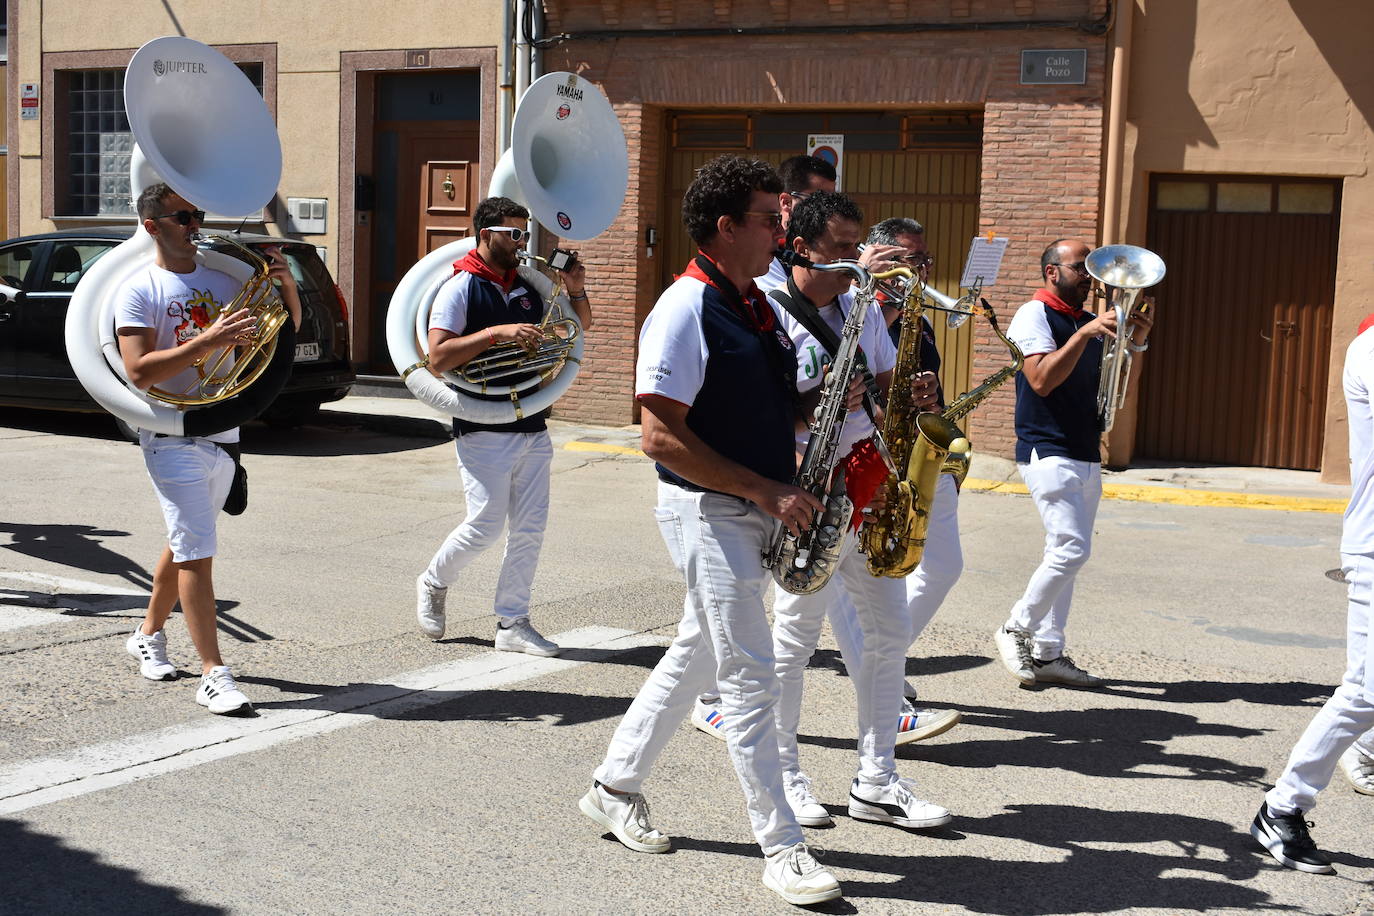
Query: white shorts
x=191, y=478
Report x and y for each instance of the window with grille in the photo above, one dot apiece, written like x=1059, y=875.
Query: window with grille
x=93, y=157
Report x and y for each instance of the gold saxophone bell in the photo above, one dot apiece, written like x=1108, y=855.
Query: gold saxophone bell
x=222, y=374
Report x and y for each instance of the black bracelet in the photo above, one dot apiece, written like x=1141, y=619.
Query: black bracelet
x=577, y=296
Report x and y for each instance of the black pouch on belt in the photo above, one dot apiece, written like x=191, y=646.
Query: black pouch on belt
x=237, y=500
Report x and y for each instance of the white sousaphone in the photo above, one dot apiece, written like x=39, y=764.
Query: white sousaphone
x=568, y=165
x=200, y=126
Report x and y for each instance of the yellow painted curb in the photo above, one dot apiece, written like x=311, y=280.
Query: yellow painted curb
x=602, y=447
x=1175, y=496
x=1179, y=496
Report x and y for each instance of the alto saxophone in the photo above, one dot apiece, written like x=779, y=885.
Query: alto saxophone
x=923, y=444
x=803, y=563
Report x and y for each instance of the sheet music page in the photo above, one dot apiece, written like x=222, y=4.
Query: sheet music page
x=984, y=260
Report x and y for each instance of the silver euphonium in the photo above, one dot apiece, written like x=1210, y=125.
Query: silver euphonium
x=803, y=563
x=1129, y=271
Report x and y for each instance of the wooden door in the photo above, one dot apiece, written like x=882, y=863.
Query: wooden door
x=1239, y=358
x=405, y=225
x=448, y=195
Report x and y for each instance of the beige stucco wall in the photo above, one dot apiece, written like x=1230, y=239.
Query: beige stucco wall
x=1282, y=87
x=309, y=38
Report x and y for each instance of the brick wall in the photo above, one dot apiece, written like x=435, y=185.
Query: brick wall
x=1042, y=145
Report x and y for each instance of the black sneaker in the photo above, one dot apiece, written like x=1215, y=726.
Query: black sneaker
x=1288, y=841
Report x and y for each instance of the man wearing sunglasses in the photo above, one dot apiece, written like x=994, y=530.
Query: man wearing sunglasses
x=169, y=317
x=1058, y=455
x=505, y=467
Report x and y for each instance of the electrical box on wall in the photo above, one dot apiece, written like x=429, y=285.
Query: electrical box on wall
x=305, y=215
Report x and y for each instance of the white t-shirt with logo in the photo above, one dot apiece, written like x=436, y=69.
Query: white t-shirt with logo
x=812, y=357
x=178, y=307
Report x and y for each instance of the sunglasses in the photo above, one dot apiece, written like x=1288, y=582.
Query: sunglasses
x=516, y=235
x=771, y=218
x=184, y=217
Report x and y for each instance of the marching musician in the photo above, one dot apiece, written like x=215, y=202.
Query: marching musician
x=168, y=317
x=1341, y=731
x=505, y=466
x=942, y=560
x=716, y=381
x=827, y=227
x=1057, y=453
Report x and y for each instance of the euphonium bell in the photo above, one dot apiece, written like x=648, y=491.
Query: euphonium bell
x=1129, y=271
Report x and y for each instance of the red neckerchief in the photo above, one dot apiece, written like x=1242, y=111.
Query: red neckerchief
x=762, y=318
x=472, y=263
x=1059, y=305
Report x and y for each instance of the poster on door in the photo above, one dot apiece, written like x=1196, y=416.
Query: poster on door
x=829, y=147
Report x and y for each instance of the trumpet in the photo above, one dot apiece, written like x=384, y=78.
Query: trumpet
x=897, y=287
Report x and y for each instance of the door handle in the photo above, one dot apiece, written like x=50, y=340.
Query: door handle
x=1289, y=328
x=448, y=185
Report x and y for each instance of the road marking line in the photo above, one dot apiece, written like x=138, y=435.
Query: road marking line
x=23, y=614
x=19, y=617
x=179, y=747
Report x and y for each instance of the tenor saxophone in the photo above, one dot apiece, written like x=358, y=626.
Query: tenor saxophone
x=924, y=444
x=803, y=564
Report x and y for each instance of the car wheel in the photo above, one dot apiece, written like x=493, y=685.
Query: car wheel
x=128, y=432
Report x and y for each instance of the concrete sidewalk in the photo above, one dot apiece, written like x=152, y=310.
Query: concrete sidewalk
x=1244, y=487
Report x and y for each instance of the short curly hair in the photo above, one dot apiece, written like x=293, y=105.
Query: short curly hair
x=811, y=216
x=723, y=187
x=493, y=212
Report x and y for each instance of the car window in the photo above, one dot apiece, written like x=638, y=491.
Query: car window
x=310, y=273
x=15, y=262
x=69, y=261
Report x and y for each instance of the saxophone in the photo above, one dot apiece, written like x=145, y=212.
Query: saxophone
x=803, y=564
x=924, y=444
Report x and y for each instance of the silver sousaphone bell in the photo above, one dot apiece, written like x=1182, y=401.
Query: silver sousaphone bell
x=1129, y=271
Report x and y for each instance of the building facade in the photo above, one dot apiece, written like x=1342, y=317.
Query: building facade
x=1234, y=144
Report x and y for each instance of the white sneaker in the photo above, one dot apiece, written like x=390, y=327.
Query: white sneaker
x=626, y=816
x=916, y=723
x=521, y=637
x=1013, y=647
x=1062, y=670
x=708, y=718
x=151, y=652
x=796, y=876
x=894, y=803
x=1358, y=767
x=220, y=694
x=429, y=608
x=808, y=811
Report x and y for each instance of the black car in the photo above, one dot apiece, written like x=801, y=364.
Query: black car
x=39, y=272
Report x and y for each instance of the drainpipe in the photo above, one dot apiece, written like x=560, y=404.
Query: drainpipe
x=1112, y=231
x=536, y=19
x=505, y=104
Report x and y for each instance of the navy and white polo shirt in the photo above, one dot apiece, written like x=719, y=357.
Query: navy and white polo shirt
x=467, y=303
x=1063, y=423
x=698, y=350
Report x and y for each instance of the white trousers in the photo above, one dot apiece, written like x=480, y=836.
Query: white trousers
x=505, y=476
x=1347, y=716
x=723, y=642
x=885, y=632
x=928, y=585
x=1067, y=493
x=191, y=478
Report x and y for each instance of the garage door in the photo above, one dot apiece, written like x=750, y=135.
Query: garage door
x=921, y=165
x=1238, y=363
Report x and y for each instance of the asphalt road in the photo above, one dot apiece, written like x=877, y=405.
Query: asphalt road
x=387, y=773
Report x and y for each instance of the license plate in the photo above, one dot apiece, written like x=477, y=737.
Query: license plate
x=305, y=351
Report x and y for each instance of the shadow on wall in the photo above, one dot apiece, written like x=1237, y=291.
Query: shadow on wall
x=1343, y=40
x=1168, y=41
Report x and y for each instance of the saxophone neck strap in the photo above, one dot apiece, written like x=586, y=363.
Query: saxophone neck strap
x=805, y=311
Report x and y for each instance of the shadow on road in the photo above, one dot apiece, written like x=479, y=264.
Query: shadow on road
x=344, y=434
x=77, y=546
x=1172, y=863
x=40, y=874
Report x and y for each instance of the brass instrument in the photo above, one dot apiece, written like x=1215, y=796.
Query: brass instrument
x=1129, y=270
x=224, y=373
x=924, y=445
x=510, y=362
x=803, y=564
